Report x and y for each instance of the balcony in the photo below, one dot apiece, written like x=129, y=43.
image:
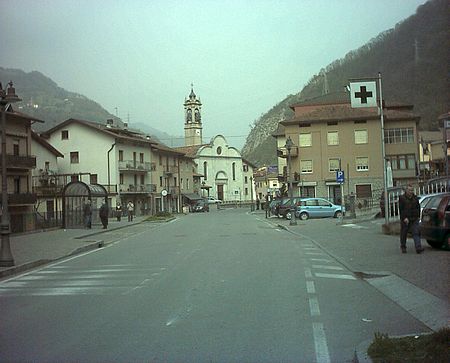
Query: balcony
x=170, y=170
x=137, y=189
x=135, y=166
x=282, y=152
x=20, y=161
x=16, y=199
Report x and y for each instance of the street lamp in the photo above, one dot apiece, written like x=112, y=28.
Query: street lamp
x=288, y=146
x=7, y=96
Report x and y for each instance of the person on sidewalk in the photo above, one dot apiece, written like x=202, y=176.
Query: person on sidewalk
x=118, y=211
x=130, y=209
x=103, y=214
x=87, y=214
x=409, y=219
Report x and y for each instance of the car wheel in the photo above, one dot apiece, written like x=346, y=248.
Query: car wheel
x=288, y=214
x=338, y=214
x=436, y=244
x=304, y=216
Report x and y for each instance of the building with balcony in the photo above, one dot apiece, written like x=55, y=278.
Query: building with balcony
x=116, y=157
x=329, y=135
x=20, y=162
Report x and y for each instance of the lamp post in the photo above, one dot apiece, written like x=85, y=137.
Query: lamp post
x=288, y=146
x=6, y=258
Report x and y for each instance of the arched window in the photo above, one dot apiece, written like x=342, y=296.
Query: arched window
x=233, y=171
x=205, y=170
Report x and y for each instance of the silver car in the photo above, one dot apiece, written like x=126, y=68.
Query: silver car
x=318, y=208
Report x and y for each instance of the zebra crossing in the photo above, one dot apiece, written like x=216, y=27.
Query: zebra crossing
x=66, y=280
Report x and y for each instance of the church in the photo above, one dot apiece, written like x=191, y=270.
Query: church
x=225, y=174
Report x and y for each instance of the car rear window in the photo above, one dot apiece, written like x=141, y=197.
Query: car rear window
x=434, y=202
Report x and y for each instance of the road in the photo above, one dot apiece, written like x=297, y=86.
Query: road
x=224, y=286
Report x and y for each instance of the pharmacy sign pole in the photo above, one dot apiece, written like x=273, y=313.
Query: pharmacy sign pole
x=363, y=93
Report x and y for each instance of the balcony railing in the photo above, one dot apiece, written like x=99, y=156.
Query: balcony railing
x=21, y=199
x=20, y=161
x=137, y=189
x=135, y=166
x=282, y=152
x=170, y=170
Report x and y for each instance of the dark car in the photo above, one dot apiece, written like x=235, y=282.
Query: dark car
x=288, y=206
x=201, y=206
x=435, y=223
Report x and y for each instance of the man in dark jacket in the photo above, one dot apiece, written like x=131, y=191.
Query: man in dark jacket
x=103, y=214
x=409, y=219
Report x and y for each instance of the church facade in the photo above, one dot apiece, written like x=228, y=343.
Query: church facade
x=225, y=174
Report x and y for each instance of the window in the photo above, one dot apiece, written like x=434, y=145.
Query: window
x=245, y=180
x=399, y=136
x=16, y=185
x=361, y=137
x=333, y=165
x=160, y=159
x=47, y=165
x=160, y=181
x=233, y=170
x=141, y=157
x=121, y=179
x=245, y=167
x=64, y=134
x=308, y=191
x=333, y=138
x=305, y=140
x=205, y=170
x=74, y=159
x=16, y=148
x=175, y=181
x=362, y=163
x=246, y=191
x=407, y=161
x=306, y=166
x=120, y=155
x=142, y=179
x=93, y=179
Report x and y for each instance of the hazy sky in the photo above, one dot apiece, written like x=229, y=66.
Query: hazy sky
x=242, y=56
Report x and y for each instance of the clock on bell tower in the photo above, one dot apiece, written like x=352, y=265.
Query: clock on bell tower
x=192, y=119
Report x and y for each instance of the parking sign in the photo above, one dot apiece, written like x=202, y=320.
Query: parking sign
x=340, y=176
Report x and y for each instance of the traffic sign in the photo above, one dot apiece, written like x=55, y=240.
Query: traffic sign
x=340, y=177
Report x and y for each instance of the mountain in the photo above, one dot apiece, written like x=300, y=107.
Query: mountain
x=412, y=58
x=45, y=100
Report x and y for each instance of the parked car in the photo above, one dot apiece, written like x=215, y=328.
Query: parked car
x=212, y=200
x=201, y=206
x=318, y=208
x=435, y=223
x=424, y=200
x=287, y=207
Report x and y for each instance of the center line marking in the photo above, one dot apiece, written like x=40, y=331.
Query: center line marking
x=320, y=343
x=310, y=288
x=314, y=306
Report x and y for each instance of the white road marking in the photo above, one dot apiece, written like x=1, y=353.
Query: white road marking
x=325, y=267
x=351, y=225
x=314, y=306
x=310, y=287
x=320, y=260
x=320, y=343
x=335, y=276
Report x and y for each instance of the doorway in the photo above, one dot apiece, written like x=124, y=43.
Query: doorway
x=220, y=192
x=335, y=194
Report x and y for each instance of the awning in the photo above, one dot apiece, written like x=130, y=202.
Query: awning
x=192, y=196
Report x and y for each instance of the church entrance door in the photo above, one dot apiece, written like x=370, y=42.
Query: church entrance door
x=220, y=191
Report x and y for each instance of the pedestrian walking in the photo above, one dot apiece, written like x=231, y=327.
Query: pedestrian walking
x=87, y=214
x=130, y=209
x=103, y=214
x=118, y=211
x=409, y=219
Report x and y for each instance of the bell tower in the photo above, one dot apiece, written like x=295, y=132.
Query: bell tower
x=192, y=120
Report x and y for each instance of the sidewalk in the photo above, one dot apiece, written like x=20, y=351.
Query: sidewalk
x=37, y=248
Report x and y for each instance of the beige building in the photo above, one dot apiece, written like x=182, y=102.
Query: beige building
x=329, y=136
x=20, y=163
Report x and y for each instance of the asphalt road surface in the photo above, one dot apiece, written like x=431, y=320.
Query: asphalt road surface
x=224, y=286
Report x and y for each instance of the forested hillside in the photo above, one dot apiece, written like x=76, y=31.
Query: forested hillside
x=413, y=59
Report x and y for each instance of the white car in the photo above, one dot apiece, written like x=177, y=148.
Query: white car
x=212, y=200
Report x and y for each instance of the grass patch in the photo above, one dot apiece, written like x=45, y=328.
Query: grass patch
x=159, y=217
x=429, y=348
